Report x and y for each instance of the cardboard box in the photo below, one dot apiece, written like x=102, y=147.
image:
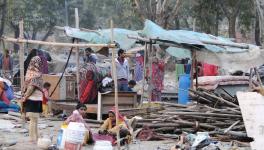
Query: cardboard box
x=65, y=89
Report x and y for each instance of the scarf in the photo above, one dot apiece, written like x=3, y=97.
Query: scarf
x=33, y=74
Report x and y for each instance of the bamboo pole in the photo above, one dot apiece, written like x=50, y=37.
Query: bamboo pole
x=21, y=54
x=144, y=73
x=14, y=40
x=115, y=83
x=77, y=53
x=21, y=64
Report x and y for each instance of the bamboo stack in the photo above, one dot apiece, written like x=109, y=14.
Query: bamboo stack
x=220, y=116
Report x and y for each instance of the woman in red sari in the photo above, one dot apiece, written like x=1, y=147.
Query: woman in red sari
x=88, y=83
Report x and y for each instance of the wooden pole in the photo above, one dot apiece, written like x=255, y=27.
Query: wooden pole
x=196, y=70
x=21, y=54
x=144, y=73
x=192, y=67
x=77, y=53
x=115, y=83
x=150, y=86
x=14, y=40
x=21, y=68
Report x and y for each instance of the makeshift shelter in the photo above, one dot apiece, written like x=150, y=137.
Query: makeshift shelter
x=181, y=44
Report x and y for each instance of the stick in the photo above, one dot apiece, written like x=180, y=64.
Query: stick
x=221, y=99
x=203, y=114
x=229, y=128
x=171, y=104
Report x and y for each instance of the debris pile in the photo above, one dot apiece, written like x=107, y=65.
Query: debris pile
x=219, y=115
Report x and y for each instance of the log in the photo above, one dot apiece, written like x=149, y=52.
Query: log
x=181, y=122
x=171, y=104
x=204, y=114
x=157, y=125
x=162, y=129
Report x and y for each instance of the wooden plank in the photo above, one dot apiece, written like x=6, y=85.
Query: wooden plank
x=252, y=108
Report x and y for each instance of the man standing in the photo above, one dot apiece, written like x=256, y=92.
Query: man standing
x=122, y=71
x=89, y=56
x=7, y=65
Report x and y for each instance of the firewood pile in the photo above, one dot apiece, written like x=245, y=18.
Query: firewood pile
x=219, y=115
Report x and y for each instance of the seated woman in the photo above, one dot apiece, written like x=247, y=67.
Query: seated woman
x=109, y=127
x=6, y=95
x=77, y=116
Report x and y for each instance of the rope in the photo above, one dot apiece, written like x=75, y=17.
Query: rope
x=63, y=69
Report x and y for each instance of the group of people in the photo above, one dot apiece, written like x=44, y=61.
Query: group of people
x=35, y=94
x=109, y=129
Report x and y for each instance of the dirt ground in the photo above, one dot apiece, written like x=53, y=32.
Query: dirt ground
x=46, y=127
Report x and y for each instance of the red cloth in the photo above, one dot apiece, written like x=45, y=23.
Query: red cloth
x=88, y=88
x=158, y=75
x=89, y=93
x=4, y=98
x=45, y=96
x=209, y=70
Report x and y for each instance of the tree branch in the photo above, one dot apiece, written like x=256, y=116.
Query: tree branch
x=175, y=9
x=138, y=7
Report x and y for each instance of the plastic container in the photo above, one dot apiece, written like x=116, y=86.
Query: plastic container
x=184, y=85
x=62, y=137
x=103, y=145
x=74, y=136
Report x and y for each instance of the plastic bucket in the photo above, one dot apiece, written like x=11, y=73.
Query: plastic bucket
x=184, y=85
x=75, y=136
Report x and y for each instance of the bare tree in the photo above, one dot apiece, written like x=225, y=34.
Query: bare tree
x=260, y=13
x=160, y=11
x=3, y=10
x=231, y=10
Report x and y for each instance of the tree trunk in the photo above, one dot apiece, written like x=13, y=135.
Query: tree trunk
x=257, y=31
x=216, y=26
x=232, y=26
x=16, y=35
x=46, y=35
x=260, y=11
x=34, y=34
x=3, y=17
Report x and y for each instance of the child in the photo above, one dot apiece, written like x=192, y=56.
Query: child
x=46, y=87
x=131, y=85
